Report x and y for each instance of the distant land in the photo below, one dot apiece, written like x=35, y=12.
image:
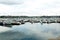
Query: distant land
x=29, y=16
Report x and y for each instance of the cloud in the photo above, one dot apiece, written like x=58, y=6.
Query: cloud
x=30, y=7
x=11, y=2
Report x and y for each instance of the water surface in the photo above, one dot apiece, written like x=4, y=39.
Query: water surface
x=29, y=31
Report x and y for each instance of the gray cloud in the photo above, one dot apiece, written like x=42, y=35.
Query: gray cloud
x=11, y=2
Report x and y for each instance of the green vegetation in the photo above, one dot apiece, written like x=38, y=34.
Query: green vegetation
x=29, y=16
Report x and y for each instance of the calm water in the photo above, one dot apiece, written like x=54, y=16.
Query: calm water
x=29, y=31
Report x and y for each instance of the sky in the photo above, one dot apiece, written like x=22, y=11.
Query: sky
x=30, y=7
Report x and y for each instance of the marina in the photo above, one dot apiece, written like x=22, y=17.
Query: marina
x=9, y=22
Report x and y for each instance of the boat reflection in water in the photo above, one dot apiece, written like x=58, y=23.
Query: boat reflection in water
x=29, y=31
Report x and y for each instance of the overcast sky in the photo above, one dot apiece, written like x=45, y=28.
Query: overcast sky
x=30, y=7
